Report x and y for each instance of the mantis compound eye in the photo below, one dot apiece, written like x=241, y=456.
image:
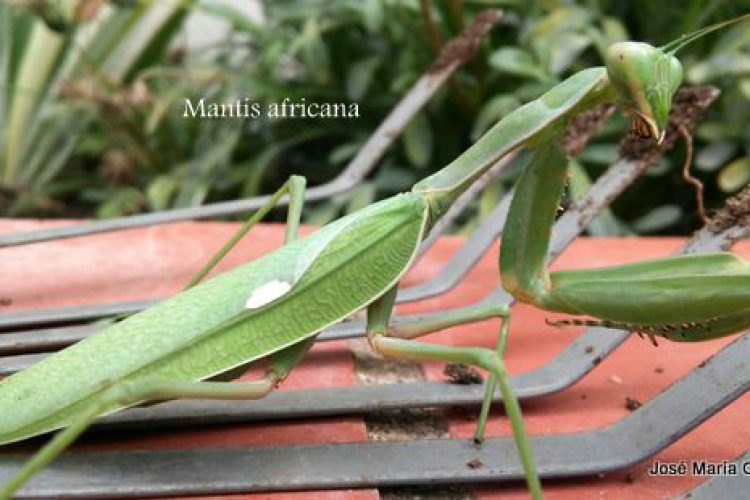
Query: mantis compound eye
x=646, y=79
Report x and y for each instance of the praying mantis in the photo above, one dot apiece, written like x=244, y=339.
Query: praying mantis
x=192, y=344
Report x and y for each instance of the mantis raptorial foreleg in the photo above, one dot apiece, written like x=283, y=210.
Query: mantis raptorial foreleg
x=385, y=340
x=686, y=298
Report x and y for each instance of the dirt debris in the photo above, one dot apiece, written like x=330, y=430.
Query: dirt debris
x=441, y=492
x=632, y=404
x=407, y=424
x=475, y=464
x=462, y=374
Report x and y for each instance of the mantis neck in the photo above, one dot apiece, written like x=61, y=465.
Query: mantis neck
x=543, y=117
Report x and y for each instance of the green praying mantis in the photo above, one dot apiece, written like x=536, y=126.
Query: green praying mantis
x=193, y=344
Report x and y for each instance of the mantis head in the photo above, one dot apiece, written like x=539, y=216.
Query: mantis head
x=645, y=79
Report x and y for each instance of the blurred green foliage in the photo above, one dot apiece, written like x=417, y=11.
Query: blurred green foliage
x=139, y=153
x=52, y=69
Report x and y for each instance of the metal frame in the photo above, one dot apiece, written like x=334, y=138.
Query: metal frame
x=664, y=419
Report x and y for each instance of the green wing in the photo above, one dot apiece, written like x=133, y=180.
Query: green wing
x=207, y=330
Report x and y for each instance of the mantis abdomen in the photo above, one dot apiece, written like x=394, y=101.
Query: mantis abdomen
x=209, y=329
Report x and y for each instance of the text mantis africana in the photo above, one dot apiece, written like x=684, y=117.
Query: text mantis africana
x=190, y=345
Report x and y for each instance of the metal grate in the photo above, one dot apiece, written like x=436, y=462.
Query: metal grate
x=651, y=428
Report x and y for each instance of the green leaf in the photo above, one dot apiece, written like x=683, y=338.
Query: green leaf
x=604, y=224
x=600, y=154
x=714, y=155
x=734, y=176
x=123, y=201
x=373, y=15
x=657, y=219
x=712, y=131
x=315, y=52
x=160, y=191
x=391, y=178
x=566, y=49
x=360, y=197
x=235, y=17
x=614, y=30
x=418, y=141
x=744, y=88
x=517, y=62
x=360, y=77
x=723, y=64
x=343, y=153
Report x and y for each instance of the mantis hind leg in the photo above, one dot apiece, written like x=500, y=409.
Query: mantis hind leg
x=140, y=391
x=502, y=341
x=51, y=450
x=383, y=340
x=420, y=326
x=295, y=188
x=125, y=394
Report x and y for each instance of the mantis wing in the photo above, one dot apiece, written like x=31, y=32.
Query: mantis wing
x=207, y=329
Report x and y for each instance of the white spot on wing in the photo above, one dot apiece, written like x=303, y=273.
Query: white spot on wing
x=267, y=293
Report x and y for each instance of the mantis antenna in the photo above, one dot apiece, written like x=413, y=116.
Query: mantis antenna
x=672, y=47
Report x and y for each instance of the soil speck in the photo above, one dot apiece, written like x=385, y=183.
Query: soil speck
x=459, y=373
x=475, y=464
x=632, y=404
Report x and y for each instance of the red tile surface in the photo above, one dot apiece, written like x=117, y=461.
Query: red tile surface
x=158, y=261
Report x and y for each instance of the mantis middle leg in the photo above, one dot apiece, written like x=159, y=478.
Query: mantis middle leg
x=386, y=341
